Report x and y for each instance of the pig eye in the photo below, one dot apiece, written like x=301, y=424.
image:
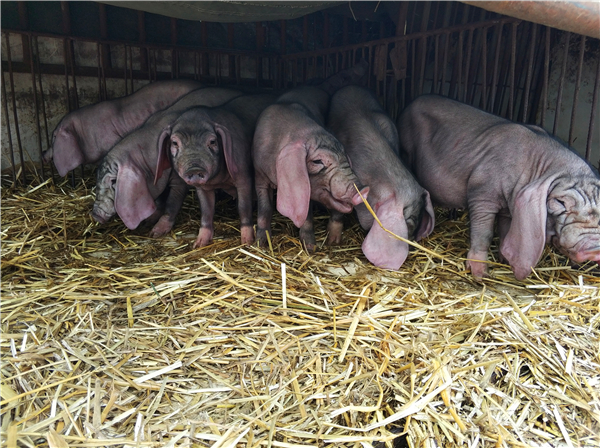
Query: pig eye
x=318, y=162
x=175, y=143
x=212, y=142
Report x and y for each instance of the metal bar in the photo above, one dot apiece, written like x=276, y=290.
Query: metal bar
x=468, y=63
x=484, y=70
x=35, y=102
x=588, y=147
x=444, y=63
x=561, y=82
x=72, y=64
x=14, y=101
x=529, y=73
x=305, y=34
x=131, y=68
x=434, y=85
x=423, y=57
x=412, y=70
x=577, y=86
x=8, y=131
x=37, y=52
x=545, y=79
x=513, y=57
x=495, y=72
x=460, y=63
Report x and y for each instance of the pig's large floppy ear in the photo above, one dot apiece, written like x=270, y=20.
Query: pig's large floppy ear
x=66, y=152
x=133, y=201
x=163, y=161
x=381, y=248
x=228, y=142
x=293, y=185
x=427, y=221
x=524, y=243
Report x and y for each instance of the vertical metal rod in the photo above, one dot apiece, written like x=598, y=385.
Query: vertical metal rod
x=561, y=82
x=8, y=131
x=460, y=64
x=131, y=68
x=529, y=73
x=99, y=64
x=37, y=62
x=35, y=102
x=434, y=85
x=468, y=64
x=423, y=57
x=125, y=69
x=412, y=70
x=14, y=102
x=495, y=72
x=445, y=62
x=588, y=147
x=577, y=86
x=484, y=70
x=546, y=71
x=72, y=64
x=513, y=57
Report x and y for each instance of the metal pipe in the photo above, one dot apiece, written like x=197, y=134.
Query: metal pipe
x=513, y=58
x=484, y=69
x=545, y=79
x=444, y=63
x=14, y=102
x=495, y=72
x=577, y=17
x=434, y=84
x=35, y=102
x=561, y=82
x=469, y=49
x=588, y=147
x=8, y=131
x=529, y=73
x=37, y=60
x=577, y=86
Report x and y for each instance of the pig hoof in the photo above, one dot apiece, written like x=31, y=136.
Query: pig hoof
x=478, y=269
x=334, y=237
x=204, y=238
x=308, y=241
x=247, y=235
x=161, y=228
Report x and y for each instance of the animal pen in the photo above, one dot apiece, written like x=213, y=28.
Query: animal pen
x=111, y=338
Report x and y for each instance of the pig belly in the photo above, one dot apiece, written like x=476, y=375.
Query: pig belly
x=443, y=188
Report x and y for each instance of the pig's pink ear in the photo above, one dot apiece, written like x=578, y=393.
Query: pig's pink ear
x=66, y=152
x=230, y=159
x=524, y=243
x=293, y=185
x=427, y=221
x=381, y=248
x=163, y=161
x=133, y=201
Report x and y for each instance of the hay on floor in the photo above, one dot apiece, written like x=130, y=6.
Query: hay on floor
x=110, y=338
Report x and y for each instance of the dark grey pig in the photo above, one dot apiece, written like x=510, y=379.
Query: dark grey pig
x=295, y=154
x=539, y=190
x=370, y=139
x=87, y=134
x=126, y=179
x=210, y=149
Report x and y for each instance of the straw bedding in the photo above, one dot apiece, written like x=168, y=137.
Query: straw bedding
x=110, y=338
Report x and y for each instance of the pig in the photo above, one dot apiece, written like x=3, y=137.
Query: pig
x=540, y=190
x=209, y=148
x=87, y=134
x=126, y=178
x=370, y=139
x=292, y=152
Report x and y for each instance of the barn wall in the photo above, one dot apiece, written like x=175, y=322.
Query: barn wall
x=438, y=47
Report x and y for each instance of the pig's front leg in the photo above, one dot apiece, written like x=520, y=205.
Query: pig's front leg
x=173, y=203
x=482, y=232
x=264, y=214
x=307, y=231
x=244, y=194
x=503, y=228
x=207, y=208
x=335, y=227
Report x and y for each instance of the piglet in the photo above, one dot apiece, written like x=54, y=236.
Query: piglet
x=292, y=152
x=370, y=139
x=540, y=190
x=87, y=134
x=126, y=179
x=209, y=148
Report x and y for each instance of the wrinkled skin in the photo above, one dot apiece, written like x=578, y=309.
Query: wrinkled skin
x=370, y=139
x=127, y=183
x=209, y=148
x=293, y=153
x=87, y=134
x=540, y=190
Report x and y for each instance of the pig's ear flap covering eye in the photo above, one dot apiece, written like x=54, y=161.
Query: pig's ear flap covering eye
x=293, y=184
x=163, y=161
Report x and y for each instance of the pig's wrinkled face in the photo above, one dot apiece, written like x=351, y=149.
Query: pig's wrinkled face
x=106, y=179
x=574, y=219
x=331, y=177
x=196, y=153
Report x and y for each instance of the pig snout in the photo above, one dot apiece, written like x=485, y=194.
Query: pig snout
x=100, y=215
x=195, y=175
